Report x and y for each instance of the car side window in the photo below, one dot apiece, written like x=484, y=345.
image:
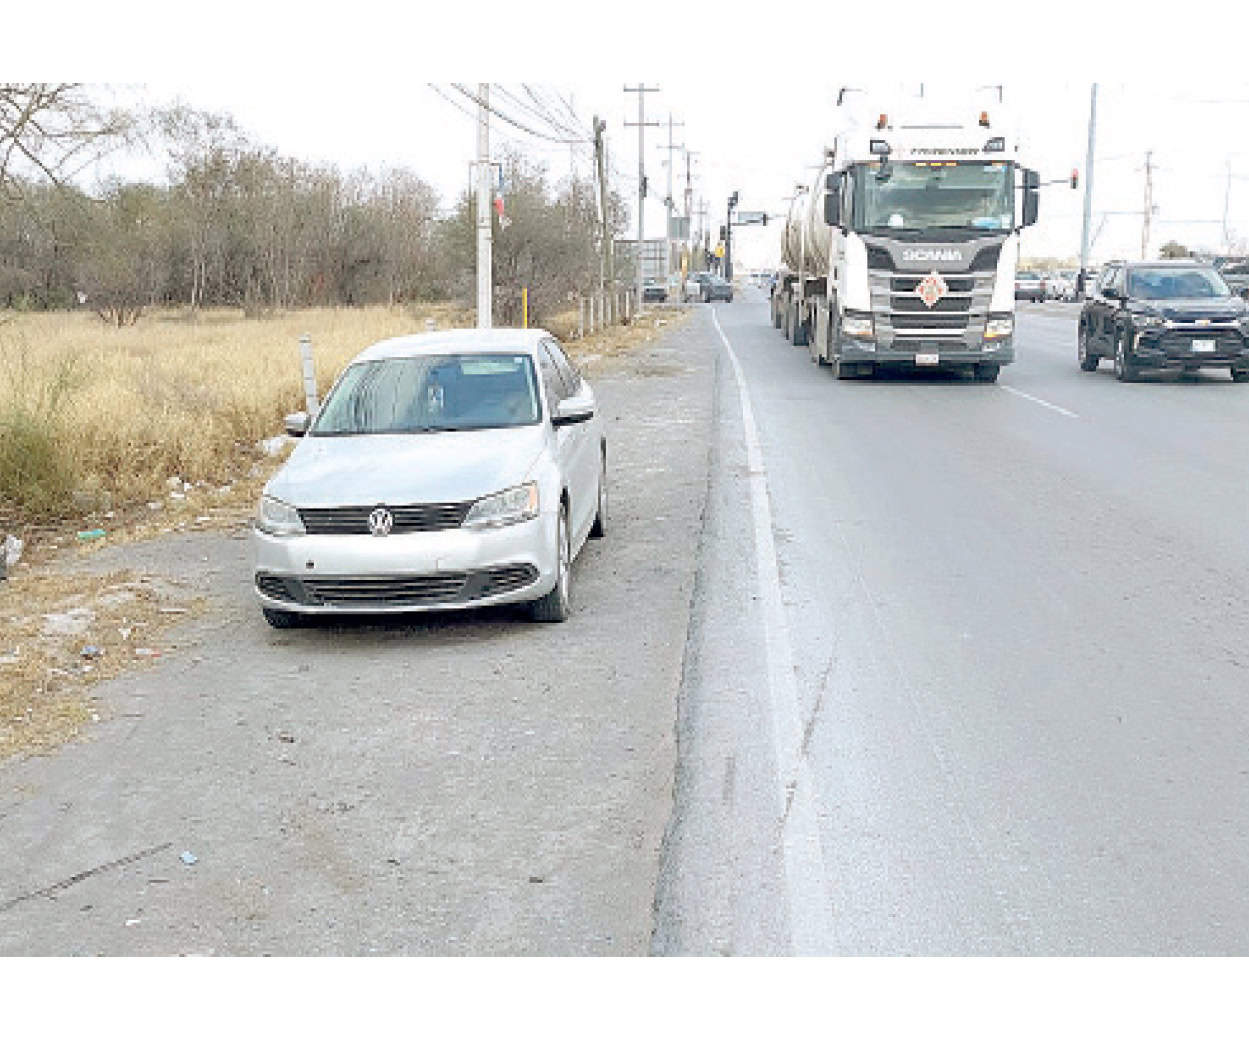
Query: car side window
x=551, y=378
x=567, y=370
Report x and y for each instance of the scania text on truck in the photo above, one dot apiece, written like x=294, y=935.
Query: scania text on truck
x=904, y=250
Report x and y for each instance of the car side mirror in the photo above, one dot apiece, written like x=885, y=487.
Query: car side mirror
x=297, y=424
x=572, y=410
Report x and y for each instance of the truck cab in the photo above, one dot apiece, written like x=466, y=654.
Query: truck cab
x=909, y=246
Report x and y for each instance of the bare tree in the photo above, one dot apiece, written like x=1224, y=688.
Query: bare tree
x=54, y=130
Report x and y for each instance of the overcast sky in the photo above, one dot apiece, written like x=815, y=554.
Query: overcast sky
x=755, y=93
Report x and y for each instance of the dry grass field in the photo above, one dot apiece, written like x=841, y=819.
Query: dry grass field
x=95, y=423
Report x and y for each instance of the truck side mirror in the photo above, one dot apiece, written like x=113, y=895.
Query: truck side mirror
x=832, y=200
x=1030, y=200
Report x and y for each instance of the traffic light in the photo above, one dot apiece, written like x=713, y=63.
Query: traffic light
x=733, y=200
x=643, y=187
x=723, y=234
x=1075, y=177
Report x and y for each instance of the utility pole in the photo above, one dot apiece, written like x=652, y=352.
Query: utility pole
x=1227, y=195
x=484, y=286
x=1088, y=190
x=607, y=263
x=668, y=205
x=1149, y=202
x=641, y=90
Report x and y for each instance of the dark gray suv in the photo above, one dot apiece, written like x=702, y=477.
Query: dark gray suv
x=1150, y=315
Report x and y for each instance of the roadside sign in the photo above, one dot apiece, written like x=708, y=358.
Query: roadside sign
x=750, y=216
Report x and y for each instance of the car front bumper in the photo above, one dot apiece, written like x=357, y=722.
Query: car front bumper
x=426, y=570
x=1171, y=349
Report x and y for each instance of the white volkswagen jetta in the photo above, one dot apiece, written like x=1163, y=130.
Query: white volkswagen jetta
x=444, y=471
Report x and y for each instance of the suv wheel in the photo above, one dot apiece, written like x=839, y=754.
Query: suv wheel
x=1240, y=375
x=986, y=371
x=1125, y=367
x=1088, y=362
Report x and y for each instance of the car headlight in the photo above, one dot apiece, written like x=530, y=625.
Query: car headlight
x=997, y=328
x=273, y=516
x=507, y=507
x=855, y=325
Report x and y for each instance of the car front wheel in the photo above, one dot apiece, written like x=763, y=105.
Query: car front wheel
x=599, y=529
x=1088, y=362
x=1125, y=367
x=556, y=604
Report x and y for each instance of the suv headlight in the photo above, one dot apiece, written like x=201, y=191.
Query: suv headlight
x=997, y=328
x=507, y=507
x=273, y=516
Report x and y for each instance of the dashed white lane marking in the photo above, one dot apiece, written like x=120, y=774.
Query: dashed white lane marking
x=810, y=917
x=1043, y=404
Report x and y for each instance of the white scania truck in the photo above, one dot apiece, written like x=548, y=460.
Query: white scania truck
x=904, y=250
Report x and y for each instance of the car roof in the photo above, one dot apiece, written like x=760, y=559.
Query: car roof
x=455, y=341
x=1180, y=262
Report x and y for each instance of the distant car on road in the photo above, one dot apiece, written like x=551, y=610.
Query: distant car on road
x=717, y=288
x=1164, y=314
x=693, y=288
x=1029, y=286
x=444, y=471
x=654, y=291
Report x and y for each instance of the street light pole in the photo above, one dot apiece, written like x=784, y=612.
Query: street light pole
x=1088, y=190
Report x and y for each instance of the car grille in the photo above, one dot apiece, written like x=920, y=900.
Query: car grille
x=409, y=590
x=355, y=519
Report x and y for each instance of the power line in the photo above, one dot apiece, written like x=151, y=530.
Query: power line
x=520, y=126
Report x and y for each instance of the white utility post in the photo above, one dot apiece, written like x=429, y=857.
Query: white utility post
x=642, y=90
x=484, y=284
x=1088, y=189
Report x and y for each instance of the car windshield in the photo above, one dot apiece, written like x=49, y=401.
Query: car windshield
x=431, y=393
x=1175, y=283
x=921, y=196
x=1028, y=276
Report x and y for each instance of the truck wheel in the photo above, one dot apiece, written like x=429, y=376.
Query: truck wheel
x=986, y=372
x=797, y=329
x=1088, y=362
x=1240, y=375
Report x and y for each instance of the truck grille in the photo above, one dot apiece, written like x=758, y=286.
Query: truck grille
x=958, y=317
x=355, y=519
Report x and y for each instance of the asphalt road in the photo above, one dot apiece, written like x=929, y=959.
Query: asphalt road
x=1001, y=706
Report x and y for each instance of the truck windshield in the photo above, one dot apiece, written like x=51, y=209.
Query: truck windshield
x=926, y=196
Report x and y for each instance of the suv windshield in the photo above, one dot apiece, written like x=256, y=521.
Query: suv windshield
x=1175, y=283
x=965, y=196
x=434, y=392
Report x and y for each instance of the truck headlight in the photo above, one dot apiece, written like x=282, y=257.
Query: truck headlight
x=857, y=325
x=507, y=507
x=998, y=328
x=273, y=516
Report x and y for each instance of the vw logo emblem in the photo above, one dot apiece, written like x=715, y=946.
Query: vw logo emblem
x=381, y=521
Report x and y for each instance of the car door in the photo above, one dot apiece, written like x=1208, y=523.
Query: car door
x=1103, y=311
x=583, y=476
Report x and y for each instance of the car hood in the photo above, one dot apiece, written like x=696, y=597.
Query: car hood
x=406, y=468
x=1191, y=310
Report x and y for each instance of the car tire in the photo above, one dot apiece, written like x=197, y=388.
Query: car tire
x=1088, y=362
x=599, y=527
x=1240, y=375
x=555, y=605
x=986, y=371
x=282, y=618
x=1125, y=368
